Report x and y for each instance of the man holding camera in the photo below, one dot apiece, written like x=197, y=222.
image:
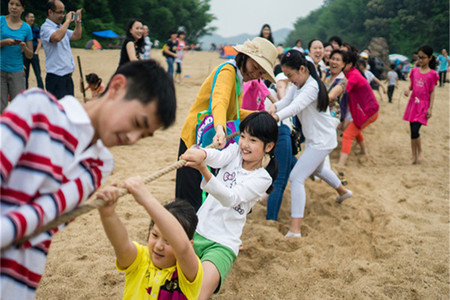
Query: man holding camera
x=56, y=37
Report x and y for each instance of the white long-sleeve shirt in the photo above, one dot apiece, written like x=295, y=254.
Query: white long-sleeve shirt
x=232, y=193
x=318, y=127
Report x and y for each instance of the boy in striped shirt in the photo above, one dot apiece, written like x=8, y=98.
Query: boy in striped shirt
x=54, y=156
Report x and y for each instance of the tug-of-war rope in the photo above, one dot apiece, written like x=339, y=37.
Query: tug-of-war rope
x=97, y=203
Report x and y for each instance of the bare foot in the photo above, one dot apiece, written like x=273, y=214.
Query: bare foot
x=419, y=159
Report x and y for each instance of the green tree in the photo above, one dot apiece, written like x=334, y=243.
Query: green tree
x=160, y=16
x=406, y=24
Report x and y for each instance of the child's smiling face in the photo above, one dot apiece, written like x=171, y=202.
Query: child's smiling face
x=124, y=122
x=160, y=251
x=252, y=148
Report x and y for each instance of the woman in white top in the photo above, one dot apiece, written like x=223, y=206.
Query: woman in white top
x=308, y=99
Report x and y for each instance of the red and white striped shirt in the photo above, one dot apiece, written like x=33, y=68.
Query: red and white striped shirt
x=47, y=167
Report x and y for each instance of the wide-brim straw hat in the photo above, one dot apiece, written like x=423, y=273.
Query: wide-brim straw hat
x=263, y=52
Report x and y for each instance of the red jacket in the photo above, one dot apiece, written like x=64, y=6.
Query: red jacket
x=362, y=102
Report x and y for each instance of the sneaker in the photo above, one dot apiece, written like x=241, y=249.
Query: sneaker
x=293, y=235
x=339, y=199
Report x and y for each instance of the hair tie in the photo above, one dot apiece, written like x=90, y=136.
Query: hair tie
x=288, y=54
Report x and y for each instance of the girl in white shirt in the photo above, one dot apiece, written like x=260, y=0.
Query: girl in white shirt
x=308, y=99
x=242, y=180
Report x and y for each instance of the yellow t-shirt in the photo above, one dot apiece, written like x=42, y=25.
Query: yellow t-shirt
x=223, y=105
x=143, y=280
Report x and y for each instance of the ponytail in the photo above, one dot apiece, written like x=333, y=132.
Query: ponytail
x=433, y=62
x=294, y=59
x=323, y=100
x=272, y=169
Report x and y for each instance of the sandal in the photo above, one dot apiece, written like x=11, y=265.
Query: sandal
x=342, y=178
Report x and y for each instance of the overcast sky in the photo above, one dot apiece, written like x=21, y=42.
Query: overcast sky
x=247, y=16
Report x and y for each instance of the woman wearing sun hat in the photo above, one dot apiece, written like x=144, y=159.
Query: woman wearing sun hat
x=255, y=59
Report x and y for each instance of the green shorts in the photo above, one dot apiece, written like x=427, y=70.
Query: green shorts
x=221, y=256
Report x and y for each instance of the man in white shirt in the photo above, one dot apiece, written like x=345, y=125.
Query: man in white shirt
x=56, y=37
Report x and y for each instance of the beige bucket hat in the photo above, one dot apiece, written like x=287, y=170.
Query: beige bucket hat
x=263, y=52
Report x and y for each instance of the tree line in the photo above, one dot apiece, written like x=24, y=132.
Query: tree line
x=160, y=16
x=405, y=24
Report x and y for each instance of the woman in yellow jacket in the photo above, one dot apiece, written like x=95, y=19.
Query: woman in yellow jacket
x=255, y=59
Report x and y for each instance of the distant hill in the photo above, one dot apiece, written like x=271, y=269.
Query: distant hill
x=279, y=36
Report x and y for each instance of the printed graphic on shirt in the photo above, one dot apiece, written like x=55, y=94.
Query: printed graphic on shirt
x=239, y=209
x=420, y=82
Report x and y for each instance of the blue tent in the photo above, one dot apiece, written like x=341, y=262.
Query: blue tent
x=106, y=34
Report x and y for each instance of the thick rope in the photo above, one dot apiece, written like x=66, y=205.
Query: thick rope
x=97, y=203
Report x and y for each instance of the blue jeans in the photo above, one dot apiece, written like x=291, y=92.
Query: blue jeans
x=170, y=60
x=286, y=161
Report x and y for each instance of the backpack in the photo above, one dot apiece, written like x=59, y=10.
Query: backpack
x=164, y=50
x=205, y=131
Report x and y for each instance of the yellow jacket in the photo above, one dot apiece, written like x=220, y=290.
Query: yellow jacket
x=223, y=106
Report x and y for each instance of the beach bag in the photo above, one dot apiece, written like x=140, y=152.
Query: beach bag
x=205, y=130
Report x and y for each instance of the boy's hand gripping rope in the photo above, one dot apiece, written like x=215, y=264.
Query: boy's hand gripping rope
x=97, y=203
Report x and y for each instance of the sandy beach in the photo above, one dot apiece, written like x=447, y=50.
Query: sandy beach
x=389, y=241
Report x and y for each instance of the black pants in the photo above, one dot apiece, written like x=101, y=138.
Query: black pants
x=390, y=92
x=188, y=182
x=59, y=86
x=415, y=127
x=36, y=68
x=442, y=78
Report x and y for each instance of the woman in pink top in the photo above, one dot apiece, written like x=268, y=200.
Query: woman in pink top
x=362, y=105
x=420, y=105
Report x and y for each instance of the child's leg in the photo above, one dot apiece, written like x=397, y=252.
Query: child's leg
x=419, y=151
x=416, y=148
x=391, y=89
x=211, y=280
x=217, y=261
x=413, y=152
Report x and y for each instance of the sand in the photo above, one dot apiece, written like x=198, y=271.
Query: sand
x=390, y=241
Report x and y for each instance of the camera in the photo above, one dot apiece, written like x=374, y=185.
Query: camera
x=75, y=16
